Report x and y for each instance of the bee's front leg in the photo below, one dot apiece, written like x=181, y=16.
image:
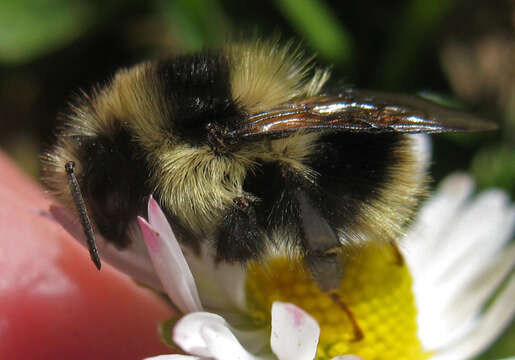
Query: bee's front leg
x=239, y=238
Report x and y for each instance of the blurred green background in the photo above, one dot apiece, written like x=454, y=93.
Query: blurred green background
x=461, y=51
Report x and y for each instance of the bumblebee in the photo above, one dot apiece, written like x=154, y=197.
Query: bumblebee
x=249, y=151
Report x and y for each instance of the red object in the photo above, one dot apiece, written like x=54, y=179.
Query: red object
x=54, y=304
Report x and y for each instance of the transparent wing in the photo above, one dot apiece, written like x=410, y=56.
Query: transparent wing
x=360, y=111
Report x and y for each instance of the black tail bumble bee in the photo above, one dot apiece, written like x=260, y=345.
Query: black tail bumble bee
x=246, y=149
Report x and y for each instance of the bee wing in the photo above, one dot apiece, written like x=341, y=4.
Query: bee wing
x=360, y=111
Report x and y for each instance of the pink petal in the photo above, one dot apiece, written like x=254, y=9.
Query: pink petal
x=158, y=219
x=294, y=332
x=150, y=236
x=168, y=260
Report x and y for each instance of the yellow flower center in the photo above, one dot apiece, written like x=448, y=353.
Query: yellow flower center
x=372, y=314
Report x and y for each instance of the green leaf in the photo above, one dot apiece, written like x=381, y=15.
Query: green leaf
x=441, y=99
x=416, y=28
x=322, y=31
x=29, y=28
x=198, y=22
x=495, y=167
x=166, y=332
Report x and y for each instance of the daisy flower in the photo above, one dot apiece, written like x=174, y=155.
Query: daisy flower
x=429, y=301
x=457, y=255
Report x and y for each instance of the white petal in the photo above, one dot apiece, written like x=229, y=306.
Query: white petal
x=208, y=335
x=479, y=230
x=187, y=335
x=423, y=151
x=168, y=260
x=497, y=317
x=450, y=289
x=294, y=333
x=232, y=278
x=462, y=313
x=222, y=343
x=221, y=286
x=423, y=243
x=131, y=260
x=459, y=318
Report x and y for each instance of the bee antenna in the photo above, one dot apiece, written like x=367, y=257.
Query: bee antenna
x=83, y=213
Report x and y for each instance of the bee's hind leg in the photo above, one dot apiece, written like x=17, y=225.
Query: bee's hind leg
x=322, y=256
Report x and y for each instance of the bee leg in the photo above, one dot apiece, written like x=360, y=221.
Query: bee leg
x=325, y=269
x=321, y=245
x=399, y=258
x=322, y=255
x=240, y=238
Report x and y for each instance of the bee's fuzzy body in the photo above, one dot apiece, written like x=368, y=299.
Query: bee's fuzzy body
x=305, y=192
